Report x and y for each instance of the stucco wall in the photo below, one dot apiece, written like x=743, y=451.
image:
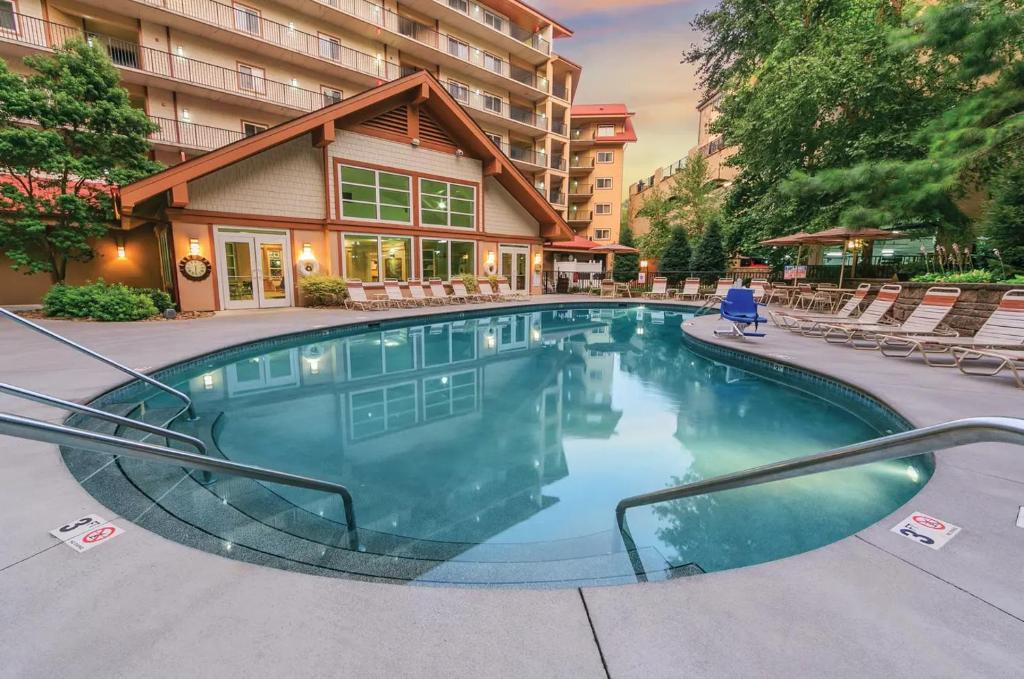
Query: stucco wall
x=286, y=181
x=504, y=215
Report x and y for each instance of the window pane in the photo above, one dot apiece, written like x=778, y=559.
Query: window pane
x=435, y=218
x=432, y=188
x=462, y=221
x=361, y=258
x=463, y=258
x=364, y=357
x=359, y=210
x=357, y=174
x=464, y=192
x=397, y=257
x=434, y=203
x=364, y=194
x=395, y=214
x=435, y=259
x=436, y=346
x=398, y=351
x=392, y=197
x=394, y=181
x=463, y=206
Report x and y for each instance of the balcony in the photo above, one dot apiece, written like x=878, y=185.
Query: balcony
x=556, y=197
x=558, y=128
x=578, y=164
x=145, y=65
x=185, y=135
x=560, y=91
x=559, y=163
x=580, y=217
x=494, y=108
x=522, y=155
x=712, y=147
x=470, y=16
x=581, y=191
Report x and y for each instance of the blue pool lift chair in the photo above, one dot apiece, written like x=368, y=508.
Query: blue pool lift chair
x=740, y=310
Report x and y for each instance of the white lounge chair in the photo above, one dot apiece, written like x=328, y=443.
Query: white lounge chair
x=438, y=290
x=420, y=297
x=395, y=296
x=925, y=319
x=691, y=289
x=460, y=292
x=793, y=319
x=506, y=291
x=874, y=315
x=659, y=289
x=357, y=298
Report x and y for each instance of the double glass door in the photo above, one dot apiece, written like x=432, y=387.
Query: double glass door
x=515, y=266
x=255, y=271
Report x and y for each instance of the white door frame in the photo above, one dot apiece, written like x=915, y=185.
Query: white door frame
x=254, y=237
x=514, y=274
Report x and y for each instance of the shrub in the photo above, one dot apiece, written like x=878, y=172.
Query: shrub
x=100, y=301
x=975, y=276
x=1016, y=280
x=323, y=290
x=709, y=255
x=161, y=300
x=676, y=259
x=626, y=266
x=471, y=282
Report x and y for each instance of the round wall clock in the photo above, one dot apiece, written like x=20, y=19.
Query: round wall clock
x=195, y=268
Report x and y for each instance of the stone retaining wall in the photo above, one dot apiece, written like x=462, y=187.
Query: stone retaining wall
x=977, y=302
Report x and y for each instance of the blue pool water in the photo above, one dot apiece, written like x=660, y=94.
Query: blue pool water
x=493, y=449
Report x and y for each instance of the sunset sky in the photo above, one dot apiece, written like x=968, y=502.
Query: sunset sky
x=630, y=52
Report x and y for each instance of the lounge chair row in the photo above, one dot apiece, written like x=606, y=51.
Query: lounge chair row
x=996, y=347
x=429, y=293
x=691, y=289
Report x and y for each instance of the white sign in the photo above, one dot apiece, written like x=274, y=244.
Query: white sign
x=926, y=530
x=87, y=532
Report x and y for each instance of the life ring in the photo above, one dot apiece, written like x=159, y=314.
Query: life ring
x=490, y=269
x=307, y=267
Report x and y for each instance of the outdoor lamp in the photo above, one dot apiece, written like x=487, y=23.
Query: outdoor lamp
x=307, y=251
x=538, y=261
x=643, y=263
x=119, y=242
x=193, y=246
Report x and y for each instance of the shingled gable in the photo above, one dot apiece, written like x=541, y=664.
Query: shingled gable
x=417, y=91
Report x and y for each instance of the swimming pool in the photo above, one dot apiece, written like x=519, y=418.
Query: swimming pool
x=488, y=448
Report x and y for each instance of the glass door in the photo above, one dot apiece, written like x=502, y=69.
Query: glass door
x=515, y=266
x=255, y=268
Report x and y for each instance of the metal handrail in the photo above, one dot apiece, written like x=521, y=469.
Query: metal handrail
x=895, y=446
x=102, y=415
x=100, y=357
x=59, y=434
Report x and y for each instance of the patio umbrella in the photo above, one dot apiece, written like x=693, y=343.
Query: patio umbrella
x=796, y=239
x=615, y=249
x=845, y=234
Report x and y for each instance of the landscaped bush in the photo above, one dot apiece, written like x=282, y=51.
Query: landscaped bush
x=472, y=285
x=161, y=299
x=99, y=301
x=975, y=276
x=1016, y=280
x=323, y=290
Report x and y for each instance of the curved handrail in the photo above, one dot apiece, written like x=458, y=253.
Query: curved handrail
x=100, y=357
x=70, y=406
x=59, y=434
x=895, y=446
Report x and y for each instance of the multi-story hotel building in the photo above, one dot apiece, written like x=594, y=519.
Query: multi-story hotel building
x=209, y=72
x=709, y=144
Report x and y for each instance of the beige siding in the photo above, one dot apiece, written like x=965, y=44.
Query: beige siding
x=286, y=181
x=503, y=215
x=374, y=151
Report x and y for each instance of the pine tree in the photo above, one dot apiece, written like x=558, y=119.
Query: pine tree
x=1003, y=222
x=710, y=254
x=627, y=265
x=86, y=134
x=677, y=255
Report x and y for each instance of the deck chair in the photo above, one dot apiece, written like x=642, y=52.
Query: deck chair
x=760, y=288
x=879, y=308
x=979, y=362
x=740, y=310
x=926, y=319
x=357, y=298
x=419, y=296
x=608, y=288
x=438, y=290
x=394, y=293
x=794, y=319
x=487, y=292
x=721, y=290
x=460, y=292
x=508, y=293
x=659, y=290
x=691, y=289
x=1004, y=329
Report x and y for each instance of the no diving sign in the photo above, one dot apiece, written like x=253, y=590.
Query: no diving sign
x=87, y=532
x=926, y=530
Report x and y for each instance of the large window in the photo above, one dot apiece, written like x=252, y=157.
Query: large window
x=444, y=204
x=374, y=258
x=447, y=258
x=375, y=195
x=8, y=21
x=605, y=157
x=604, y=182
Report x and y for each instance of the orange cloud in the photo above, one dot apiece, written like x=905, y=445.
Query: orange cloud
x=570, y=8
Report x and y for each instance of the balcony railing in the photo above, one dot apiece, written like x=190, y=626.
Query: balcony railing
x=560, y=91
x=558, y=163
x=47, y=35
x=241, y=21
x=192, y=135
x=500, y=24
x=712, y=147
x=556, y=197
x=525, y=154
x=580, y=216
x=495, y=106
x=581, y=162
x=581, y=189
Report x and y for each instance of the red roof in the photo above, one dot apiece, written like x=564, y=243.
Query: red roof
x=600, y=110
x=577, y=243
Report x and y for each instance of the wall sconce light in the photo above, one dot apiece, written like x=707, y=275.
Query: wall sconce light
x=415, y=142
x=538, y=261
x=314, y=366
x=307, y=251
x=459, y=153
x=207, y=381
x=643, y=263
x=119, y=242
x=120, y=252
x=193, y=246
x=185, y=115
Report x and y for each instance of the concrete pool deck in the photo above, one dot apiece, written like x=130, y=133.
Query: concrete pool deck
x=874, y=604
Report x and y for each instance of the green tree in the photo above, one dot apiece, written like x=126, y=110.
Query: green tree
x=1003, y=221
x=807, y=87
x=678, y=253
x=695, y=197
x=85, y=135
x=627, y=265
x=657, y=210
x=709, y=255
